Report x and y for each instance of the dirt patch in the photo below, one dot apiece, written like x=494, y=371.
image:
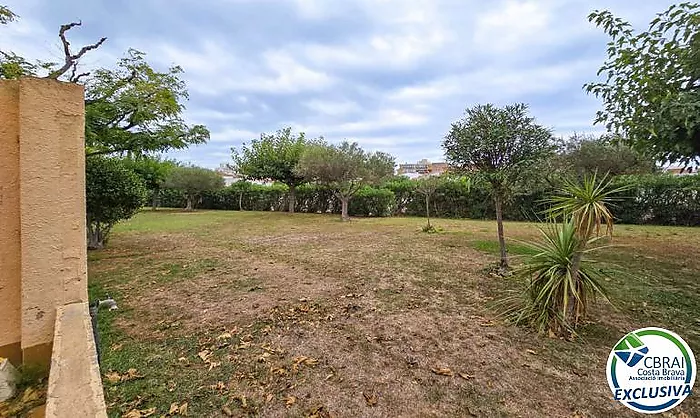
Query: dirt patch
x=359, y=319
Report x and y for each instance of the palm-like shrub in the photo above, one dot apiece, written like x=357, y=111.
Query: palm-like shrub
x=558, y=293
x=562, y=282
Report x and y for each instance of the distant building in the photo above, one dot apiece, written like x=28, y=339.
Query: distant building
x=422, y=167
x=228, y=174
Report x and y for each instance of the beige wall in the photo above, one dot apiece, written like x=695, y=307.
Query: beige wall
x=10, y=325
x=42, y=226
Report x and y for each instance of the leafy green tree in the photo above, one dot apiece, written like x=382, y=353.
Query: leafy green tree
x=193, y=181
x=500, y=145
x=344, y=168
x=153, y=172
x=273, y=157
x=583, y=155
x=113, y=193
x=651, y=90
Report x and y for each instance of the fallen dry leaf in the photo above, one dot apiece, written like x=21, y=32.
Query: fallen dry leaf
x=204, y=355
x=465, y=376
x=224, y=336
x=290, y=400
x=116, y=347
x=532, y=351
x=183, y=409
x=442, y=371
x=113, y=377
x=174, y=408
x=131, y=374
x=269, y=397
x=371, y=399
x=308, y=361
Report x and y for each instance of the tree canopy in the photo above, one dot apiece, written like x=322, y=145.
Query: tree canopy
x=344, y=168
x=651, y=89
x=500, y=145
x=582, y=155
x=134, y=109
x=273, y=157
x=193, y=181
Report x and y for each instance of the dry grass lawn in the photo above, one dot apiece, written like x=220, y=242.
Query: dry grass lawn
x=271, y=314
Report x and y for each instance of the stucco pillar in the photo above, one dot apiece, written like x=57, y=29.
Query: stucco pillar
x=52, y=208
x=10, y=313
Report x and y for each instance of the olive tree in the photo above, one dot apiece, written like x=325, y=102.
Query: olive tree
x=344, y=168
x=500, y=145
x=193, y=181
x=113, y=193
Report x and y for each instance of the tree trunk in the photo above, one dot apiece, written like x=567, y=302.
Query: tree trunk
x=96, y=235
x=427, y=209
x=344, y=212
x=189, y=206
x=240, y=201
x=501, y=239
x=292, y=198
x=155, y=199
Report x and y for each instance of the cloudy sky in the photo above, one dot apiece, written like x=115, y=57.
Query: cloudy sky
x=389, y=74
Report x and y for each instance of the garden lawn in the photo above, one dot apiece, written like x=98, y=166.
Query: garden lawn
x=272, y=314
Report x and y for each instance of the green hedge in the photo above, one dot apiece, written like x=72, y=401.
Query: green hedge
x=650, y=199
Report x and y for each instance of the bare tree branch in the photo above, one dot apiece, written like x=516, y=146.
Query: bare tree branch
x=71, y=60
x=77, y=77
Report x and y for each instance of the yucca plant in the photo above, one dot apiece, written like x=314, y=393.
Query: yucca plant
x=562, y=282
x=557, y=296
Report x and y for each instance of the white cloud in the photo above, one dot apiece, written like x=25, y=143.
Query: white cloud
x=332, y=107
x=496, y=83
x=273, y=71
x=230, y=136
x=513, y=25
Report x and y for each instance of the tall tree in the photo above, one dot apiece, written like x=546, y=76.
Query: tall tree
x=500, y=144
x=273, y=157
x=193, y=181
x=344, y=168
x=651, y=90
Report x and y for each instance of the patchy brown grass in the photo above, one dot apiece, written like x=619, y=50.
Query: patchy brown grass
x=267, y=314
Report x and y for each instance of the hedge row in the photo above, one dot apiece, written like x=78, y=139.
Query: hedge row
x=650, y=199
